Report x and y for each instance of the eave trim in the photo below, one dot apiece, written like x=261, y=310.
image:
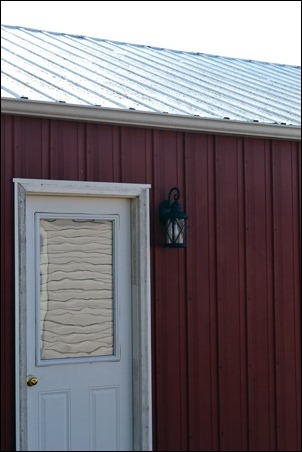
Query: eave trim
x=147, y=119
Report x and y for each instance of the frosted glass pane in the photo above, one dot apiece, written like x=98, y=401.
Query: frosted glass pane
x=76, y=288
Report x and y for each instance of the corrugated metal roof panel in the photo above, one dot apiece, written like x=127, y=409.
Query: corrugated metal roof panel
x=79, y=70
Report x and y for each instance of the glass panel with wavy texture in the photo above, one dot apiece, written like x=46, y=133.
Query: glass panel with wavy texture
x=76, y=288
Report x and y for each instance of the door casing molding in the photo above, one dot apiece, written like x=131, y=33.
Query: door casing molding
x=141, y=294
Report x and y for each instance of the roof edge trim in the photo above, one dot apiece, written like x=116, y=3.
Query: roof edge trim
x=147, y=119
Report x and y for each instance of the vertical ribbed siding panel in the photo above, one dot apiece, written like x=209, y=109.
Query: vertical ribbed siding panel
x=135, y=160
x=287, y=294
x=64, y=150
x=45, y=154
x=7, y=288
x=201, y=282
x=102, y=154
x=27, y=147
x=168, y=298
x=212, y=246
x=259, y=295
x=231, y=303
x=182, y=299
x=244, y=420
x=81, y=152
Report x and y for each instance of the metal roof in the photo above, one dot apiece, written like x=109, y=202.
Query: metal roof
x=80, y=70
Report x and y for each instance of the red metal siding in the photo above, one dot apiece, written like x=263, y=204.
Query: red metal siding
x=286, y=293
x=203, y=383
x=226, y=310
x=259, y=295
x=230, y=282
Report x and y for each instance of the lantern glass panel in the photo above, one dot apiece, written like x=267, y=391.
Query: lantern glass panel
x=175, y=232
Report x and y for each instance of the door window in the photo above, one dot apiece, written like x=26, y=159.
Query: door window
x=75, y=287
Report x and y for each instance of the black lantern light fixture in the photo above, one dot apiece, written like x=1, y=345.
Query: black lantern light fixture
x=174, y=221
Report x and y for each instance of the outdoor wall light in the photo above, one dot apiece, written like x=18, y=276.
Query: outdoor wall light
x=174, y=221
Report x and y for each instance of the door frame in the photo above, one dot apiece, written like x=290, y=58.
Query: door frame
x=140, y=287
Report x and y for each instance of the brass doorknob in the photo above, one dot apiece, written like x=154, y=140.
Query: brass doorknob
x=32, y=381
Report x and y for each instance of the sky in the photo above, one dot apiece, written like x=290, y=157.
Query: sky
x=255, y=30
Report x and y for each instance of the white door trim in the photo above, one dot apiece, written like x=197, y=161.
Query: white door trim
x=141, y=300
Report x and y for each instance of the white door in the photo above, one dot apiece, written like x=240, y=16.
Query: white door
x=79, y=367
